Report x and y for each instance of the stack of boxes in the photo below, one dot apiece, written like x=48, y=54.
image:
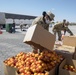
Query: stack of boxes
x=68, y=50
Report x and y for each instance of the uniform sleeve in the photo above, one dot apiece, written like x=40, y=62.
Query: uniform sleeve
x=36, y=22
x=39, y=21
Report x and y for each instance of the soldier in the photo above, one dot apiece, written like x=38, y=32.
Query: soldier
x=61, y=26
x=44, y=20
x=57, y=29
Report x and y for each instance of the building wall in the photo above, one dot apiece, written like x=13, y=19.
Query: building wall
x=2, y=18
x=8, y=17
x=18, y=16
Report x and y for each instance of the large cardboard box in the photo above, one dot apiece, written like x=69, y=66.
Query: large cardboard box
x=68, y=49
x=39, y=37
x=9, y=70
x=64, y=71
x=69, y=41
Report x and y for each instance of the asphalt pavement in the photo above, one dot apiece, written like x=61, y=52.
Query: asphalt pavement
x=11, y=44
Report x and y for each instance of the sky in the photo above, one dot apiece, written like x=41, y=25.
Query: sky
x=63, y=9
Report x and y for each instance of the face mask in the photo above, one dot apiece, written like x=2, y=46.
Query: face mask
x=47, y=21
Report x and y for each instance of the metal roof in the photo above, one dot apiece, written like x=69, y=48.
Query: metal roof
x=18, y=16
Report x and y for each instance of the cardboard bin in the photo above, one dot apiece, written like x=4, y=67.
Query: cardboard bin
x=39, y=37
x=68, y=49
x=69, y=41
x=64, y=71
x=8, y=70
x=52, y=72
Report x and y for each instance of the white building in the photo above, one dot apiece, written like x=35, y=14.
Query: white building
x=8, y=18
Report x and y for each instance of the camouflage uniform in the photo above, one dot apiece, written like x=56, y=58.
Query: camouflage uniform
x=59, y=27
x=41, y=22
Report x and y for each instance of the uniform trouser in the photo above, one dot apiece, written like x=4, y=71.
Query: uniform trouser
x=59, y=34
x=68, y=30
